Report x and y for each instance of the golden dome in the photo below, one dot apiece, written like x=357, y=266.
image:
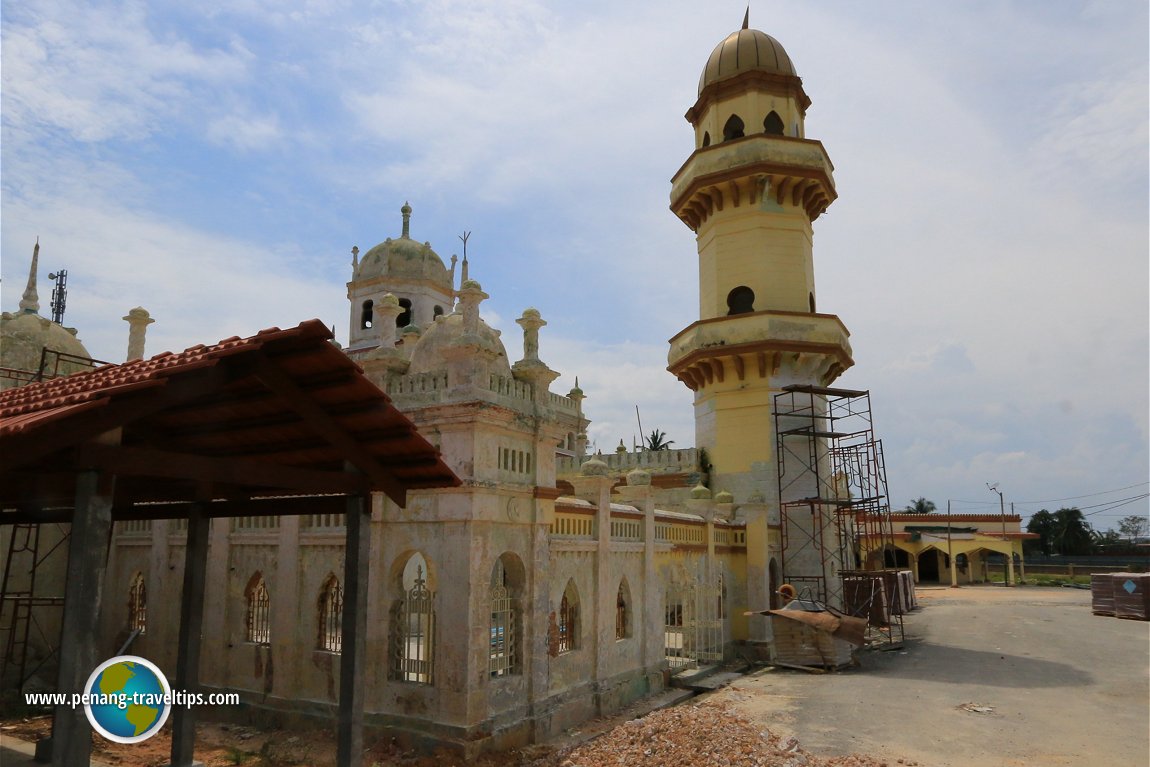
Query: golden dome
x=744, y=51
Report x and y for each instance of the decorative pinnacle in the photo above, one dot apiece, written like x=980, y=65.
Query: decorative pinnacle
x=30, y=301
x=747, y=17
x=406, y=211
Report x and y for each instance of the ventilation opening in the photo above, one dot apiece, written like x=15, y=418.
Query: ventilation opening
x=706, y=138
x=811, y=297
x=733, y=128
x=773, y=124
x=403, y=320
x=741, y=300
x=365, y=315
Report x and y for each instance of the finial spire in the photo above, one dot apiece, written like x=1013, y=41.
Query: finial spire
x=463, y=277
x=747, y=17
x=30, y=302
x=406, y=211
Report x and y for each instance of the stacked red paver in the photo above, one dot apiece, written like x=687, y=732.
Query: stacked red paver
x=1102, y=593
x=1132, y=595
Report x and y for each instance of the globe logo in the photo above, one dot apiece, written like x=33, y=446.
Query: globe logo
x=127, y=699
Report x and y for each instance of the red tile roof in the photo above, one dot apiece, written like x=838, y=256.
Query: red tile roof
x=280, y=398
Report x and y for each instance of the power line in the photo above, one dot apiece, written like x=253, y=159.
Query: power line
x=1118, y=504
x=1057, y=500
x=1088, y=495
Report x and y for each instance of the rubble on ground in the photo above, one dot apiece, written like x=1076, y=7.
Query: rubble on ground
x=708, y=735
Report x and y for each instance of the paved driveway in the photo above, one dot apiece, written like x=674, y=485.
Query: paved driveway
x=1051, y=684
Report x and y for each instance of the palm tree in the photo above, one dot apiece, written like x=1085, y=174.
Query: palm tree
x=920, y=505
x=657, y=440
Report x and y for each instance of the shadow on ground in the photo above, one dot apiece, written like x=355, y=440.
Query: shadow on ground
x=924, y=660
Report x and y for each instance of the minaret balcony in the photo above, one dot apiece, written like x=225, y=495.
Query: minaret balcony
x=758, y=345
x=746, y=170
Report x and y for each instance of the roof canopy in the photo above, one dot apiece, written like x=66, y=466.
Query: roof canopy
x=283, y=412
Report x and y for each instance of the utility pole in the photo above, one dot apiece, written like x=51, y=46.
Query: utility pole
x=1002, y=515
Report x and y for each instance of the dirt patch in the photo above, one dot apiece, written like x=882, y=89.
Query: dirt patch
x=704, y=733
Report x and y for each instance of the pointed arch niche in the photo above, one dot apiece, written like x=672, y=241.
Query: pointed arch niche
x=623, y=612
x=413, y=621
x=507, y=582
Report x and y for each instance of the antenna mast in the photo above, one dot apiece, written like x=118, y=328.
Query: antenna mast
x=59, y=295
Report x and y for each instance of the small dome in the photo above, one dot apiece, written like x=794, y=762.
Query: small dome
x=638, y=477
x=24, y=335
x=744, y=51
x=700, y=493
x=447, y=331
x=404, y=258
x=594, y=467
x=724, y=497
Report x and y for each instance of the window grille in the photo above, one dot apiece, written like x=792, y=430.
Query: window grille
x=138, y=604
x=413, y=633
x=503, y=657
x=259, y=608
x=330, y=632
x=621, y=614
x=569, y=620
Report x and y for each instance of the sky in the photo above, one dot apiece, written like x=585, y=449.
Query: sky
x=216, y=161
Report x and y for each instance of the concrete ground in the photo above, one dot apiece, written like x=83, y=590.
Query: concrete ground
x=1050, y=684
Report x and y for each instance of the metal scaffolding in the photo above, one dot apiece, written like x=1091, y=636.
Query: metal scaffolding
x=837, y=536
x=24, y=606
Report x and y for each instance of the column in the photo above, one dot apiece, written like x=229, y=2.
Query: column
x=87, y=564
x=191, y=631
x=357, y=555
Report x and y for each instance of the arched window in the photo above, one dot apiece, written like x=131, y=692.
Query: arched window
x=365, y=315
x=773, y=124
x=623, y=611
x=506, y=581
x=329, y=606
x=741, y=300
x=733, y=128
x=404, y=319
x=811, y=297
x=258, y=627
x=569, y=619
x=413, y=625
x=138, y=604
x=706, y=138
x=437, y=311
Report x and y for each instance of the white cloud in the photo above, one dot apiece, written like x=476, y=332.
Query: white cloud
x=96, y=72
x=988, y=250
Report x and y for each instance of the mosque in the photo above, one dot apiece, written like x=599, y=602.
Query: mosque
x=551, y=586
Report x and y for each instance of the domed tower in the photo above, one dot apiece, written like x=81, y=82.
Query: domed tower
x=750, y=191
x=25, y=336
x=411, y=271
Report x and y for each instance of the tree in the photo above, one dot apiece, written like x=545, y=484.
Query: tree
x=657, y=440
x=1133, y=527
x=1042, y=524
x=1071, y=533
x=1105, y=541
x=920, y=505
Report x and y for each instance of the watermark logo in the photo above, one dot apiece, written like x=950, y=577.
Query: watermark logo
x=127, y=699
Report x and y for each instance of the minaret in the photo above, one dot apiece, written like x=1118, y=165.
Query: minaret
x=750, y=192
x=30, y=301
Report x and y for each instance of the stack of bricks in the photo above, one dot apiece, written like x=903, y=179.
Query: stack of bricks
x=802, y=645
x=1124, y=595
